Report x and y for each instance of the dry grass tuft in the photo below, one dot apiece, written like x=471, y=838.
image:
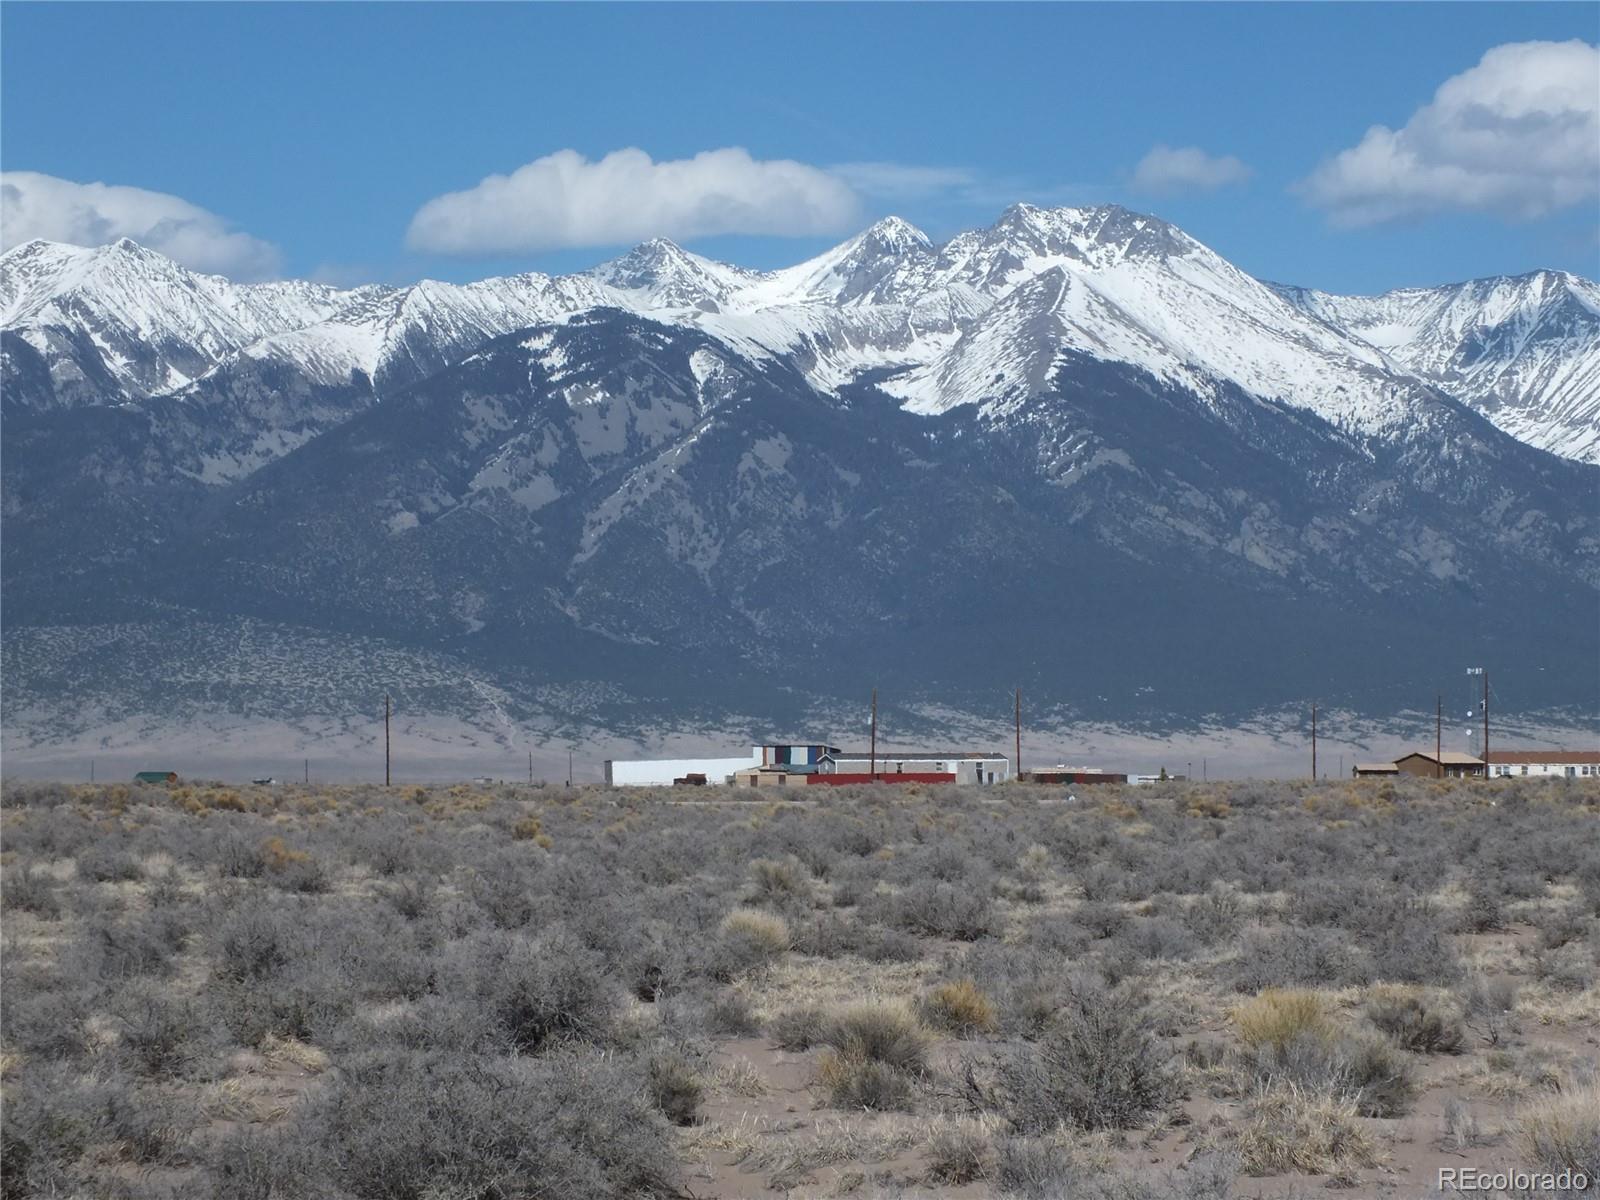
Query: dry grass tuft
x=1562, y=1132
x=737, y=1139
x=960, y=1008
x=277, y=855
x=882, y=1033
x=531, y=829
x=238, y=1100
x=1288, y=1128
x=1278, y=1016
x=763, y=929
x=740, y=1077
x=832, y=1143
x=294, y=1052
x=960, y=1153
x=874, y=1053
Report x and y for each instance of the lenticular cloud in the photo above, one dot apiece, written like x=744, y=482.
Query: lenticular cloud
x=565, y=200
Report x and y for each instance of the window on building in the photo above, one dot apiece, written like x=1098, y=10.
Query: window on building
x=1524, y=768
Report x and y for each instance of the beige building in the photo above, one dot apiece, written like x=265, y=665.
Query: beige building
x=769, y=777
x=1452, y=764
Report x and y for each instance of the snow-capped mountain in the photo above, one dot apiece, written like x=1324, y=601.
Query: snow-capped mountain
x=979, y=320
x=120, y=320
x=1077, y=445
x=1523, y=351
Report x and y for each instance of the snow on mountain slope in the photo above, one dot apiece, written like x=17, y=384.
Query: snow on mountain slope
x=395, y=336
x=661, y=276
x=865, y=305
x=1100, y=281
x=886, y=264
x=150, y=324
x=984, y=320
x=427, y=327
x=1116, y=285
x=1523, y=351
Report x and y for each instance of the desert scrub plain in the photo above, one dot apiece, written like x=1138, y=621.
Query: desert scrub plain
x=509, y=993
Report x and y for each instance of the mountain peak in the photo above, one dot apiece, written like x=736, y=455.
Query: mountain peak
x=665, y=275
x=658, y=247
x=895, y=234
x=1098, y=235
x=34, y=247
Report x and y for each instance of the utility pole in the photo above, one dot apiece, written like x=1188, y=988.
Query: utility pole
x=91, y=770
x=1486, y=722
x=530, y=768
x=1016, y=771
x=569, y=766
x=1203, y=776
x=1484, y=671
x=308, y=771
x=1313, y=743
x=874, y=736
x=1439, y=735
x=385, y=740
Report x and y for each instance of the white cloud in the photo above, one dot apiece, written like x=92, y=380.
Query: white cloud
x=1518, y=135
x=565, y=200
x=33, y=205
x=1187, y=169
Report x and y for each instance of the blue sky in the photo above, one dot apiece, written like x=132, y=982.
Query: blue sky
x=308, y=138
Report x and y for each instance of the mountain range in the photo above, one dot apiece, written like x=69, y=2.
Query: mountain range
x=1076, y=450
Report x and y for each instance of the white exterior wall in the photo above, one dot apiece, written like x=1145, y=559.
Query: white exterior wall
x=1545, y=770
x=655, y=772
x=968, y=770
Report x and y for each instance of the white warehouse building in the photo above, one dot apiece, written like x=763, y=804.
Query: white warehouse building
x=662, y=772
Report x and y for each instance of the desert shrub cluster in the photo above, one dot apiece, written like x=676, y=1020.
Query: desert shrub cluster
x=519, y=992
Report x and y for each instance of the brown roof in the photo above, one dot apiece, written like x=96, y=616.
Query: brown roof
x=1574, y=757
x=1450, y=758
x=1377, y=769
